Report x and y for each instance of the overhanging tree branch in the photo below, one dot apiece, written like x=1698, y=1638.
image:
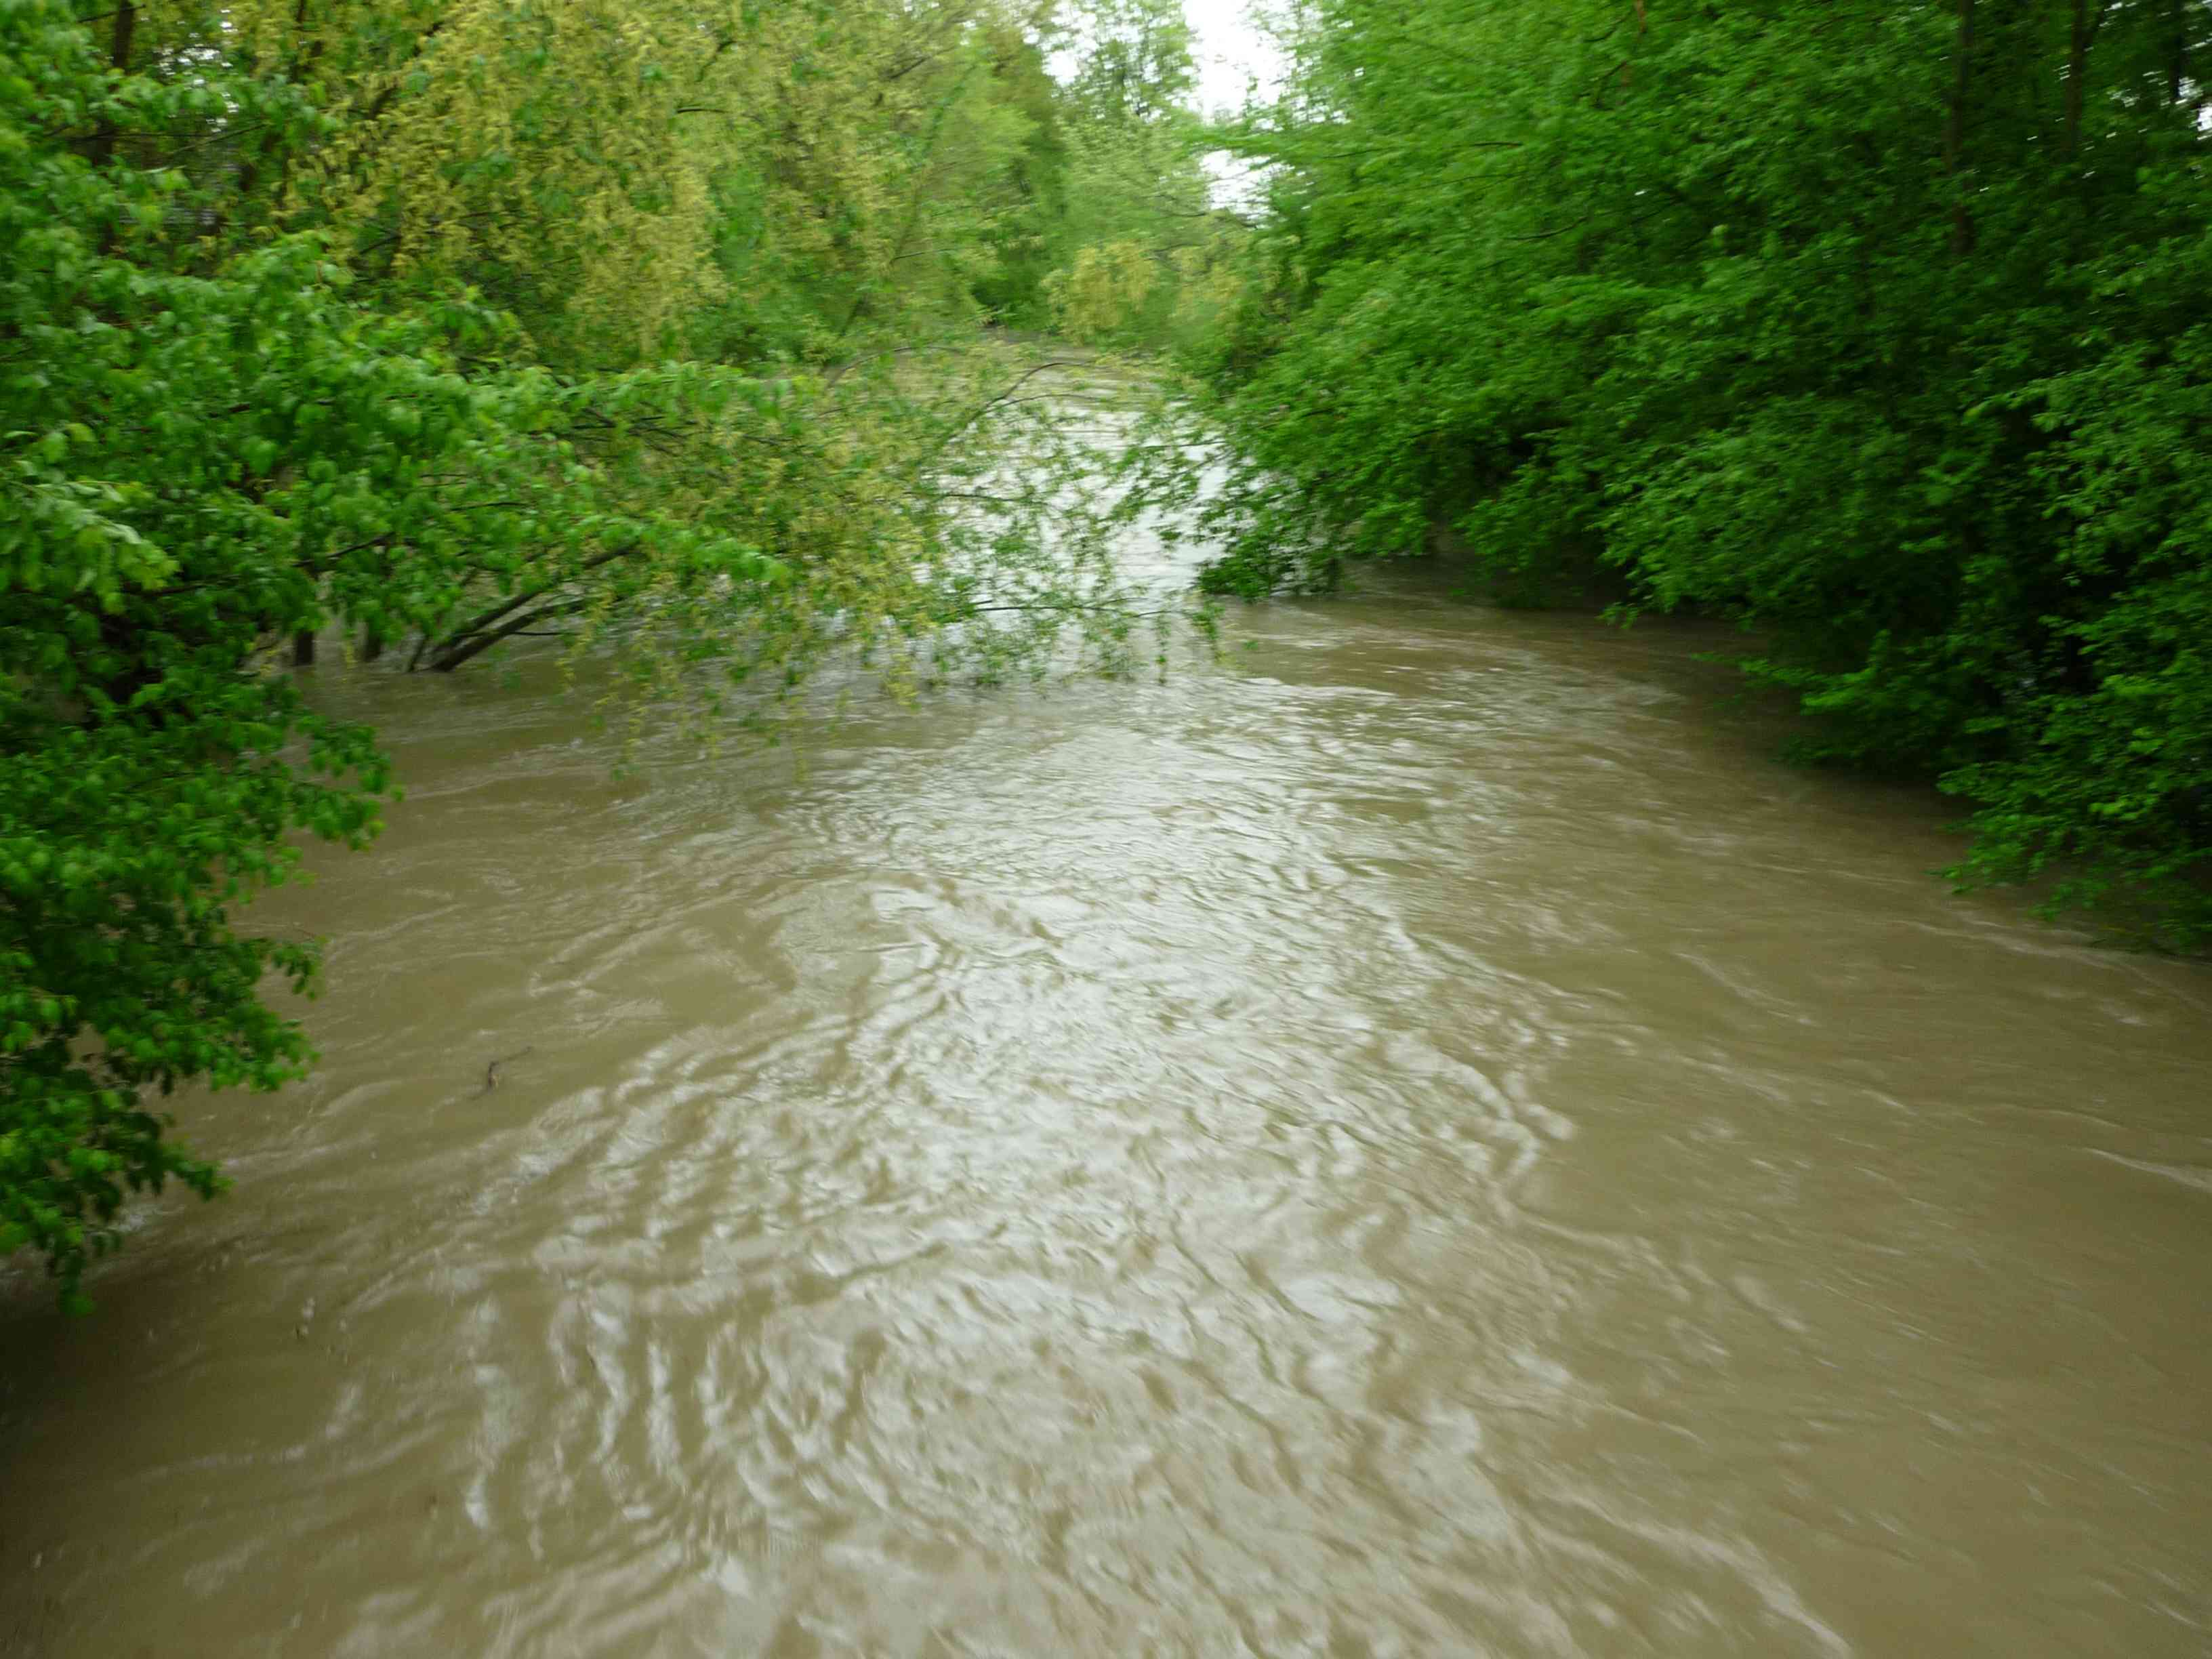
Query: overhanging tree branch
x=470, y=639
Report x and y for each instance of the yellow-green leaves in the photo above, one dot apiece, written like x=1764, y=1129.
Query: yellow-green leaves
x=1103, y=291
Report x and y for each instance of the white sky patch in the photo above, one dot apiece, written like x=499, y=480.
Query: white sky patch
x=1232, y=51
x=1236, y=60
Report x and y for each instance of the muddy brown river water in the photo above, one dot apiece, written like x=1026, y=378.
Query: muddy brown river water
x=1424, y=1139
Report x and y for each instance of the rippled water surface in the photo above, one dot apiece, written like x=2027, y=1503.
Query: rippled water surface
x=1424, y=1140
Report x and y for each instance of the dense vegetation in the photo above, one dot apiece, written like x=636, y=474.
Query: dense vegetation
x=429, y=325
x=1883, y=328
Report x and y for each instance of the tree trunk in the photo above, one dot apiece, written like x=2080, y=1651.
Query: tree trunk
x=477, y=634
x=1954, y=134
x=2177, y=74
x=303, y=648
x=2077, y=70
x=101, y=148
x=2086, y=26
x=477, y=645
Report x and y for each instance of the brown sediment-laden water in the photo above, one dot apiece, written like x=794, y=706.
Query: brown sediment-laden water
x=1423, y=1138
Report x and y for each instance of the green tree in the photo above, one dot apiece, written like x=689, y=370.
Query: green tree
x=420, y=324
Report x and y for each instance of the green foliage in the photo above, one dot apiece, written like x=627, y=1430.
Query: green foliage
x=145, y=785
x=1880, y=329
x=316, y=322
x=1133, y=61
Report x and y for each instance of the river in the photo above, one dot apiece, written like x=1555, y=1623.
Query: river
x=1423, y=1138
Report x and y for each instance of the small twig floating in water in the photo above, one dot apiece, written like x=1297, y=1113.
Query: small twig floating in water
x=491, y=1071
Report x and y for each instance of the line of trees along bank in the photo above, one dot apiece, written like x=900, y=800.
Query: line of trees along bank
x=447, y=322
x=1886, y=329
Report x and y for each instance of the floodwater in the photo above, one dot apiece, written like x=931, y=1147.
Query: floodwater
x=1421, y=1140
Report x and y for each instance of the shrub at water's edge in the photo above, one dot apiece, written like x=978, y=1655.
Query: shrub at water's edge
x=1883, y=331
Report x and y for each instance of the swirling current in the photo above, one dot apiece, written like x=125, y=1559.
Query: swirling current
x=1422, y=1139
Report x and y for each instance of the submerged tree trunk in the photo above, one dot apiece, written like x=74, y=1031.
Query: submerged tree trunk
x=488, y=628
